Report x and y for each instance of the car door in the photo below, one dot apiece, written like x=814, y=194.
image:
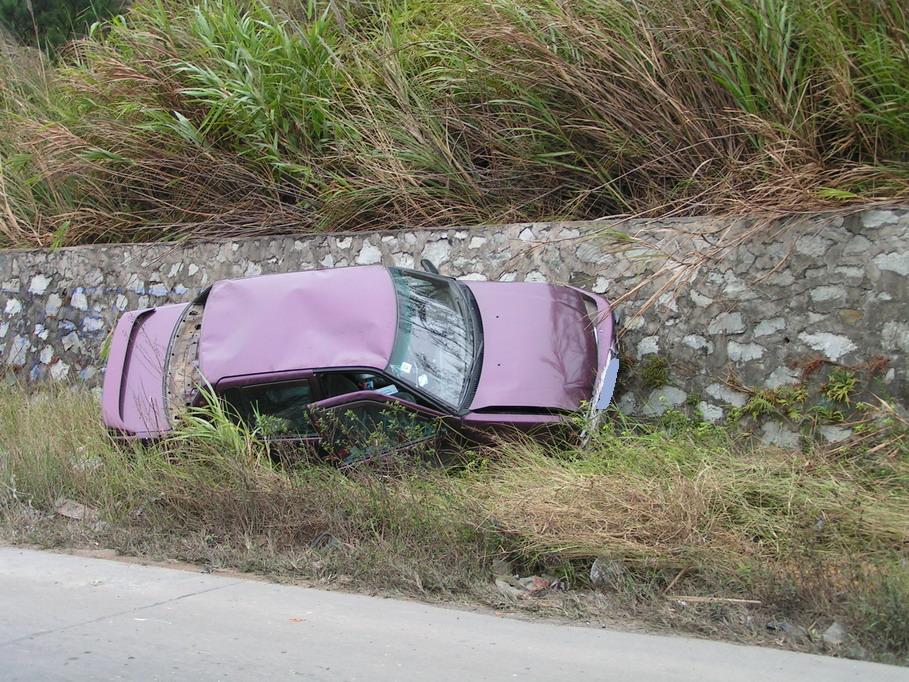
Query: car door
x=367, y=425
x=278, y=411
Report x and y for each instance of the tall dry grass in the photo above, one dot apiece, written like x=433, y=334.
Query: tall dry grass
x=230, y=117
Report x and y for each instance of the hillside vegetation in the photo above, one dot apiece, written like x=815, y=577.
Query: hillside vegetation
x=227, y=117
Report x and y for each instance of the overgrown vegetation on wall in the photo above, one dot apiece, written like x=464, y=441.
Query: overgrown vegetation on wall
x=680, y=508
x=225, y=117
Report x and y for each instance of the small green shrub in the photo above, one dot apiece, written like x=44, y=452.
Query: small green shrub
x=654, y=371
x=788, y=402
x=841, y=385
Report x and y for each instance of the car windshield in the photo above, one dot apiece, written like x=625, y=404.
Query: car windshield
x=435, y=343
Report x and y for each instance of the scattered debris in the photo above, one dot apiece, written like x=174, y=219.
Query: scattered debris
x=712, y=600
x=530, y=586
x=75, y=510
x=560, y=584
x=795, y=633
x=835, y=635
x=607, y=573
x=534, y=584
x=510, y=590
x=324, y=540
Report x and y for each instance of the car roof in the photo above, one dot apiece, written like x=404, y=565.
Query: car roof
x=342, y=317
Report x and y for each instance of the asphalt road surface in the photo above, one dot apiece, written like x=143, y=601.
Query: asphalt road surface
x=75, y=618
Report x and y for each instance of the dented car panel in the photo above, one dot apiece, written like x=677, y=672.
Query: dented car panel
x=468, y=356
x=275, y=323
x=132, y=397
x=603, y=322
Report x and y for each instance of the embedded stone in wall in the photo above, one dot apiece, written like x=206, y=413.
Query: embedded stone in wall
x=662, y=399
x=726, y=323
x=744, y=352
x=775, y=433
x=833, y=346
x=768, y=327
x=38, y=285
x=369, y=254
x=782, y=376
x=18, y=352
x=711, y=413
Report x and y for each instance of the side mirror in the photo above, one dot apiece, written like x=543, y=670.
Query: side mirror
x=429, y=267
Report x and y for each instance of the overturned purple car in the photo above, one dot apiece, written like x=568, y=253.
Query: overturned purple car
x=279, y=349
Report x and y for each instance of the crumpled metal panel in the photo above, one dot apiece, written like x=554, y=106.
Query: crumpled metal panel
x=343, y=317
x=133, y=394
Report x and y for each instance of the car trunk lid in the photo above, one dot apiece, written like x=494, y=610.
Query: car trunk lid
x=133, y=392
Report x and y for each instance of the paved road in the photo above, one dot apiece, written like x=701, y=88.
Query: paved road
x=74, y=618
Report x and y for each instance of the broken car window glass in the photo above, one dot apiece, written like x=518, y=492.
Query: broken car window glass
x=435, y=341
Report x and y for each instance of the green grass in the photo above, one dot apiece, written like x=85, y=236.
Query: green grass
x=814, y=536
x=232, y=117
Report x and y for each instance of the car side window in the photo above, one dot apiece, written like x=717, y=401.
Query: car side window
x=367, y=428
x=344, y=382
x=277, y=409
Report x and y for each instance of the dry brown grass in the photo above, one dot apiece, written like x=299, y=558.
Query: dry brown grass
x=551, y=509
x=665, y=502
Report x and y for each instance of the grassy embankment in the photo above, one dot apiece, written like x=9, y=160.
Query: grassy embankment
x=686, y=509
x=224, y=117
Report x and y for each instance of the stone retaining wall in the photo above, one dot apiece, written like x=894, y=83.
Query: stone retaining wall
x=714, y=309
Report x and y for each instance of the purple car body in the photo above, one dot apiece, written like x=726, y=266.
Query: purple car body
x=475, y=355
